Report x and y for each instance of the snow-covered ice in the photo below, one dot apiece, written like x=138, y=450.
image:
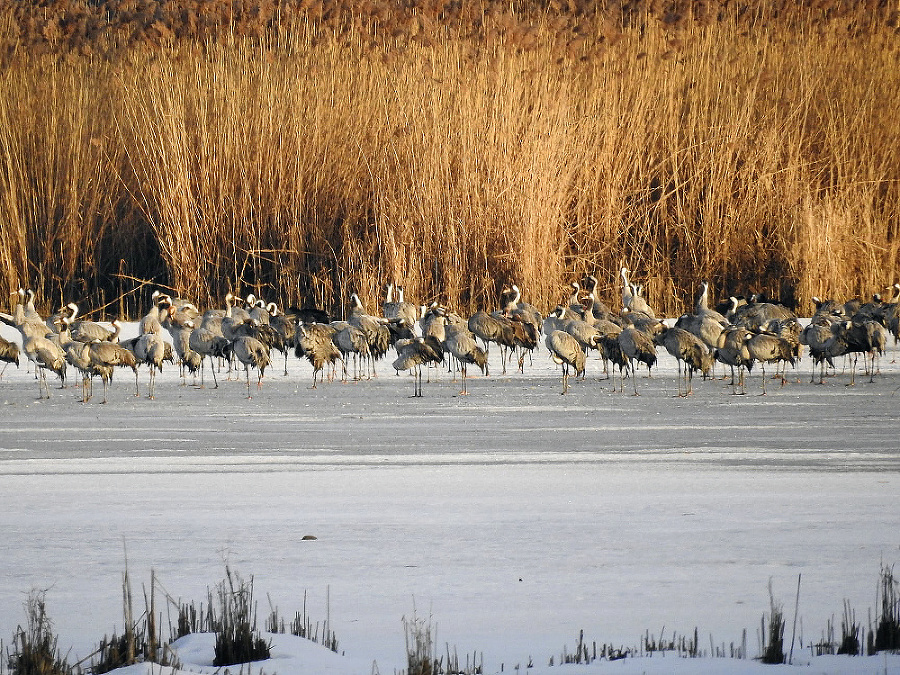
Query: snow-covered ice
x=514, y=517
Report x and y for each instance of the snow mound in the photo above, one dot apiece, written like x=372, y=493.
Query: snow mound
x=291, y=655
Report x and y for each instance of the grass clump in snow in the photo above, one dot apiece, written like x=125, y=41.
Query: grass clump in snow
x=850, y=642
x=140, y=641
x=773, y=636
x=850, y=631
x=420, y=653
x=585, y=655
x=302, y=626
x=886, y=636
x=117, y=651
x=35, y=650
x=237, y=638
x=231, y=615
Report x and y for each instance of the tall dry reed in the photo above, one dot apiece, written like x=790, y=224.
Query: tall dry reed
x=310, y=150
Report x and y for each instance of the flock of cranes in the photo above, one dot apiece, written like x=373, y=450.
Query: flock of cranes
x=739, y=335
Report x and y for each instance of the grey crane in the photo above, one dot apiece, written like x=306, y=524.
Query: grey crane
x=584, y=333
x=251, y=353
x=892, y=314
x=460, y=342
x=687, y=348
x=734, y=353
x=378, y=335
x=705, y=327
x=637, y=345
x=45, y=355
x=286, y=328
x=206, y=341
x=258, y=310
x=567, y=352
x=597, y=308
x=527, y=322
x=594, y=311
x=705, y=323
x=88, y=331
x=212, y=320
x=816, y=336
x=27, y=301
x=77, y=355
x=755, y=315
x=188, y=359
x=350, y=340
x=105, y=356
x=525, y=337
x=526, y=312
x=399, y=308
x=701, y=304
x=27, y=326
x=234, y=316
x=54, y=321
x=557, y=319
x=490, y=328
x=36, y=336
x=632, y=299
x=9, y=353
x=151, y=322
x=407, y=310
x=574, y=304
x=432, y=322
x=390, y=308
x=606, y=328
x=183, y=311
x=828, y=307
x=614, y=354
x=150, y=348
x=263, y=332
x=100, y=357
x=316, y=344
x=856, y=337
x=416, y=352
x=767, y=348
x=787, y=329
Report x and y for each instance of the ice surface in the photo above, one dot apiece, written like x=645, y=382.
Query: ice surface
x=514, y=517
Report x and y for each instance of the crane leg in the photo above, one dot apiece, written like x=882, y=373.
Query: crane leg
x=42, y=382
x=419, y=381
x=464, y=391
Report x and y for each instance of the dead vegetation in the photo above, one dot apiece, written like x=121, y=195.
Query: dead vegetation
x=306, y=149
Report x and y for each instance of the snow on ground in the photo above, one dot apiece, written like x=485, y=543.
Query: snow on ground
x=296, y=655
x=514, y=517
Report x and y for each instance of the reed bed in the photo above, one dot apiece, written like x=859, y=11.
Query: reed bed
x=307, y=150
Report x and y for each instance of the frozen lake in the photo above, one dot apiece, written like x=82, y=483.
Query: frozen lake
x=514, y=516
